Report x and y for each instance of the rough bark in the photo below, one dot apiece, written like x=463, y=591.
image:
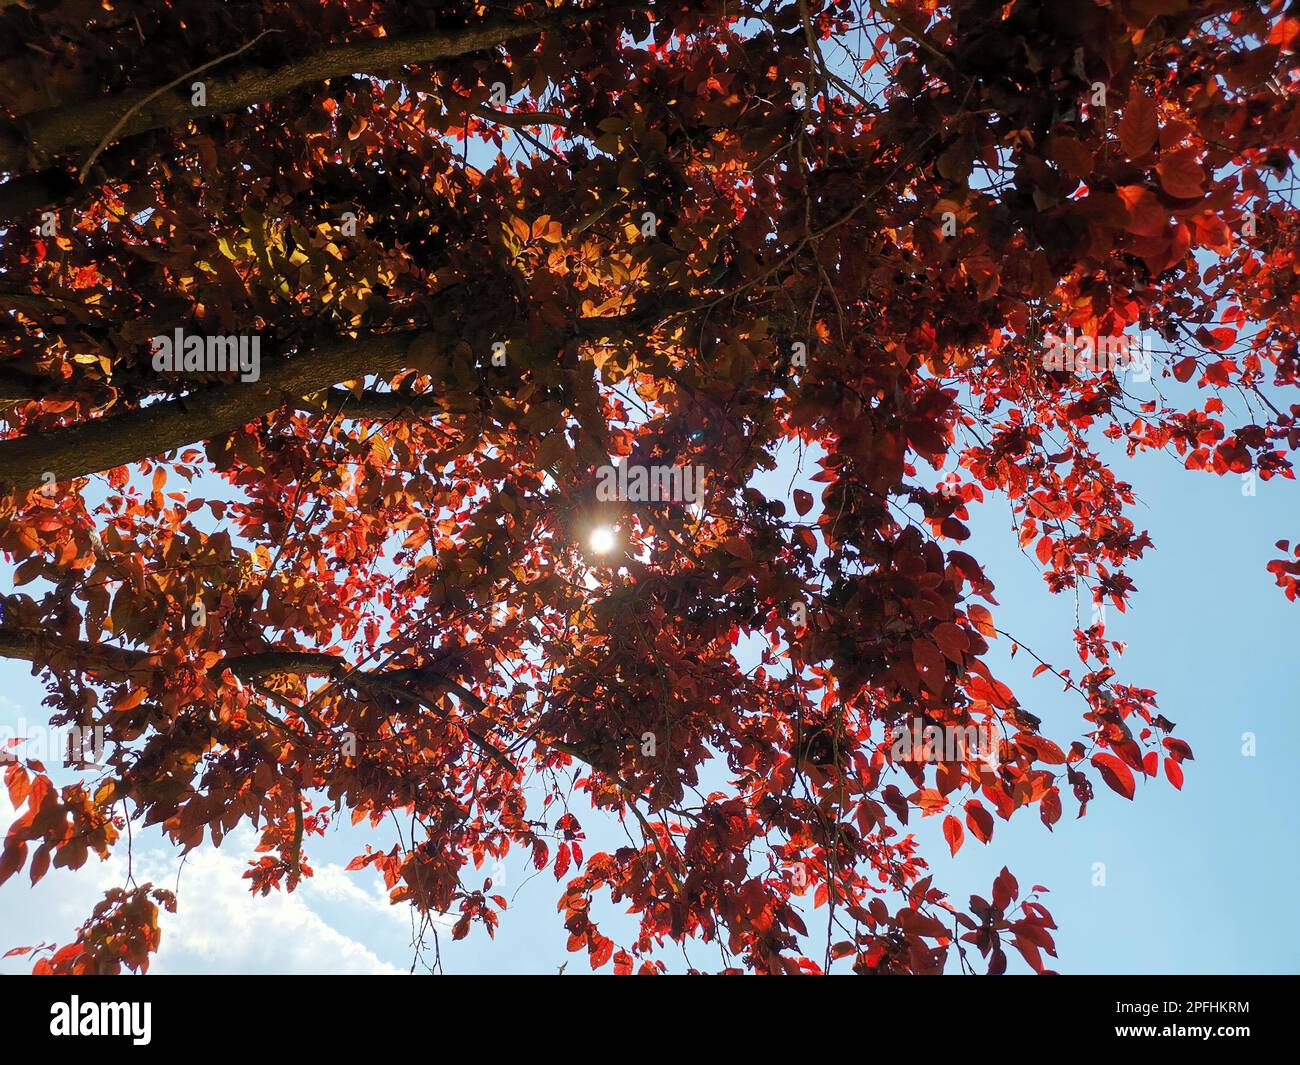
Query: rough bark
x=102, y=443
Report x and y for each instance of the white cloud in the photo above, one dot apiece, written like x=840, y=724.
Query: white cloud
x=219, y=926
x=335, y=884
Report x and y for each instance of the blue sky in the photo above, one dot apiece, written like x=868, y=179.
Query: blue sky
x=1197, y=881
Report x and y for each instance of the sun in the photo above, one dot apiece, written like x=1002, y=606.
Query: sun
x=602, y=540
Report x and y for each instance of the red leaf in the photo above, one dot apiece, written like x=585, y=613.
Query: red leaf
x=601, y=952
x=1137, y=129
x=1115, y=773
x=1181, y=175
x=952, y=641
x=1174, y=772
x=1049, y=808
x=1044, y=750
x=1147, y=216
x=929, y=664
x=1044, y=550
x=40, y=863
x=12, y=858
x=1220, y=339
x=979, y=820
x=1005, y=889
x=1029, y=949
x=738, y=546
x=954, y=833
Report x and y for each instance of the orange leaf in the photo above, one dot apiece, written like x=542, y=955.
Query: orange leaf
x=982, y=620
x=132, y=700
x=995, y=692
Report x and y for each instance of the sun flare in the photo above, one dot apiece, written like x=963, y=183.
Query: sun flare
x=602, y=540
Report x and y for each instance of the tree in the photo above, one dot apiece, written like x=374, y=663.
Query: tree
x=474, y=251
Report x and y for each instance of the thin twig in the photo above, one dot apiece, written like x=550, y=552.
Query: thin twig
x=126, y=115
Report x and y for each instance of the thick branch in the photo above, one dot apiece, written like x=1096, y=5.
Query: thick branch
x=521, y=119
x=382, y=406
x=251, y=668
x=83, y=125
x=394, y=684
x=33, y=192
x=15, y=386
x=400, y=684
x=33, y=303
x=102, y=443
x=100, y=657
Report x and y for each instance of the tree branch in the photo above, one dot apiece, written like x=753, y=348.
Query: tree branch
x=33, y=647
x=250, y=669
x=521, y=119
x=102, y=443
x=15, y=386
x=380, y=406
x=400, y=684
x=393, y=684
x=112, y=134
x=85, y=124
